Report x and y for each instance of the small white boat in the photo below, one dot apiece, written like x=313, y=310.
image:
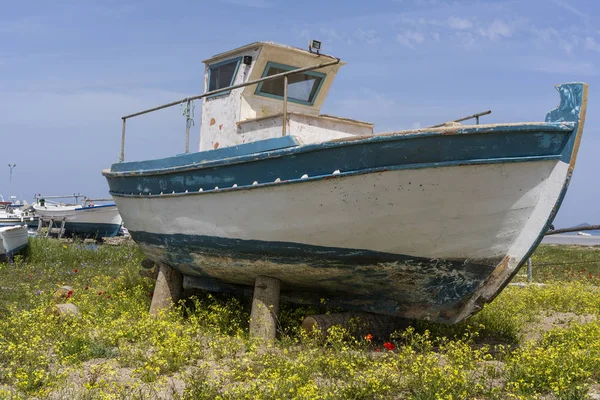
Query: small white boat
x=12, y=240
x=12, y=214
x=584, y=234
x=82, y=220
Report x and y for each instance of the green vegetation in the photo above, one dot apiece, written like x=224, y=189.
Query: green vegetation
x=531, y=342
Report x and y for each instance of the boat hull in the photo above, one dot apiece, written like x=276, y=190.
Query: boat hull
x=12, y=240
x=426, y=225
x=96, y=221
x=413, y=243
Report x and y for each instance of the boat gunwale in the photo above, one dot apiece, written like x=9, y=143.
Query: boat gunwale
x=522, y=128
x=86, y=208
x=333, y=175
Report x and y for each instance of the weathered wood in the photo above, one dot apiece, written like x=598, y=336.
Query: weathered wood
x=358, y=323
x=168, y=289
x=62, y=228
x=574, y=229
x=265, y=306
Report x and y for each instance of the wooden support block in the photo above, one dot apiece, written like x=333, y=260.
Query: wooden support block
x=265, y=306
x=62, y=228
x=168, y=289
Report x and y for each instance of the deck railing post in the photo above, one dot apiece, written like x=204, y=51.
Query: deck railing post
x=187, y=127
x=285, y=98
x=122, y=156
x=529, y=271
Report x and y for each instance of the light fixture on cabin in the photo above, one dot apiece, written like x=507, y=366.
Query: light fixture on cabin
x=314, y=45
x=247, y=60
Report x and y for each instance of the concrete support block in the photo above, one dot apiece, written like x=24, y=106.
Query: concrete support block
x=168, y=289
x=265, y=306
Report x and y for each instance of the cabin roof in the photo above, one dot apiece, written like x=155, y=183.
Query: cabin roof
x=249, y=46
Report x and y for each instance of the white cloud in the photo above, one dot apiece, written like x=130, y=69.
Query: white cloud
x=367, y=35
x=496, y=30
x=460, y=23
x=591, y=44
x=567, y=6
x=410, y=38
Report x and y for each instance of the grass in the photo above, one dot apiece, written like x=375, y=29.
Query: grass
x=532, y=342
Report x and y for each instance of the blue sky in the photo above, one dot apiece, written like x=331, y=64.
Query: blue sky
x=70, y=69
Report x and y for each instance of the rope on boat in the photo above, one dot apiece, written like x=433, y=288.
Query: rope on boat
x=188, y=112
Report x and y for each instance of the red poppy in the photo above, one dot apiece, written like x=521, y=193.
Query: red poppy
x=69, y=294
x=76, y=270
x=99, y=293
x=86, y=287
x=378, y=349
x=369, y=337
x=107, y=297
x=389, y=346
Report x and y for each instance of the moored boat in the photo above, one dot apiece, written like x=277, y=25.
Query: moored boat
x=425, y=224
x=12, y=240
x=89, y=219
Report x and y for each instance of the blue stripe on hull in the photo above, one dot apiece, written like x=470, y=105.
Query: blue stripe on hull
x=351, y=156
x=89, y=230
x=401, y=285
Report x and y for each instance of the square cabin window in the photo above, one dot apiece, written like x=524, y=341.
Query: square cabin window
x=302, y=87
x=222, y=75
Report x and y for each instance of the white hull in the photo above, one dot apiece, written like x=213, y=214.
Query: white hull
x=12, y=239
x=467, y=212
x=78, y=214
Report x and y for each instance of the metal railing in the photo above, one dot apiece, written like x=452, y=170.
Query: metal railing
x=475, y=116
x=188, y=101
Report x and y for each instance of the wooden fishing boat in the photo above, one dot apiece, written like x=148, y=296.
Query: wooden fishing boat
x=424, y=224
x=12, y=240
x=82, y=220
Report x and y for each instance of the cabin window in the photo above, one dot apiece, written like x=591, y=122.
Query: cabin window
x=302, y=87
x=222, y=75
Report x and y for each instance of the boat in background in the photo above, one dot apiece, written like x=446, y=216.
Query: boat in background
x=13, y=239
x=423, y=224
x=93, y=218
x=17, y=213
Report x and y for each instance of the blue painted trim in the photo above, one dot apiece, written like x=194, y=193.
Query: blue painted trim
x=88, y=208
x=204, y=157
x=81, y=229
x=345, y=174
x=369, y=154
x=243, y=154
x=235, y=72
x=270, y=64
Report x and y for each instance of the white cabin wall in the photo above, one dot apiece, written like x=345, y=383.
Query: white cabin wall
x=305, y=128
x=255, y=106
x=220, y=113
